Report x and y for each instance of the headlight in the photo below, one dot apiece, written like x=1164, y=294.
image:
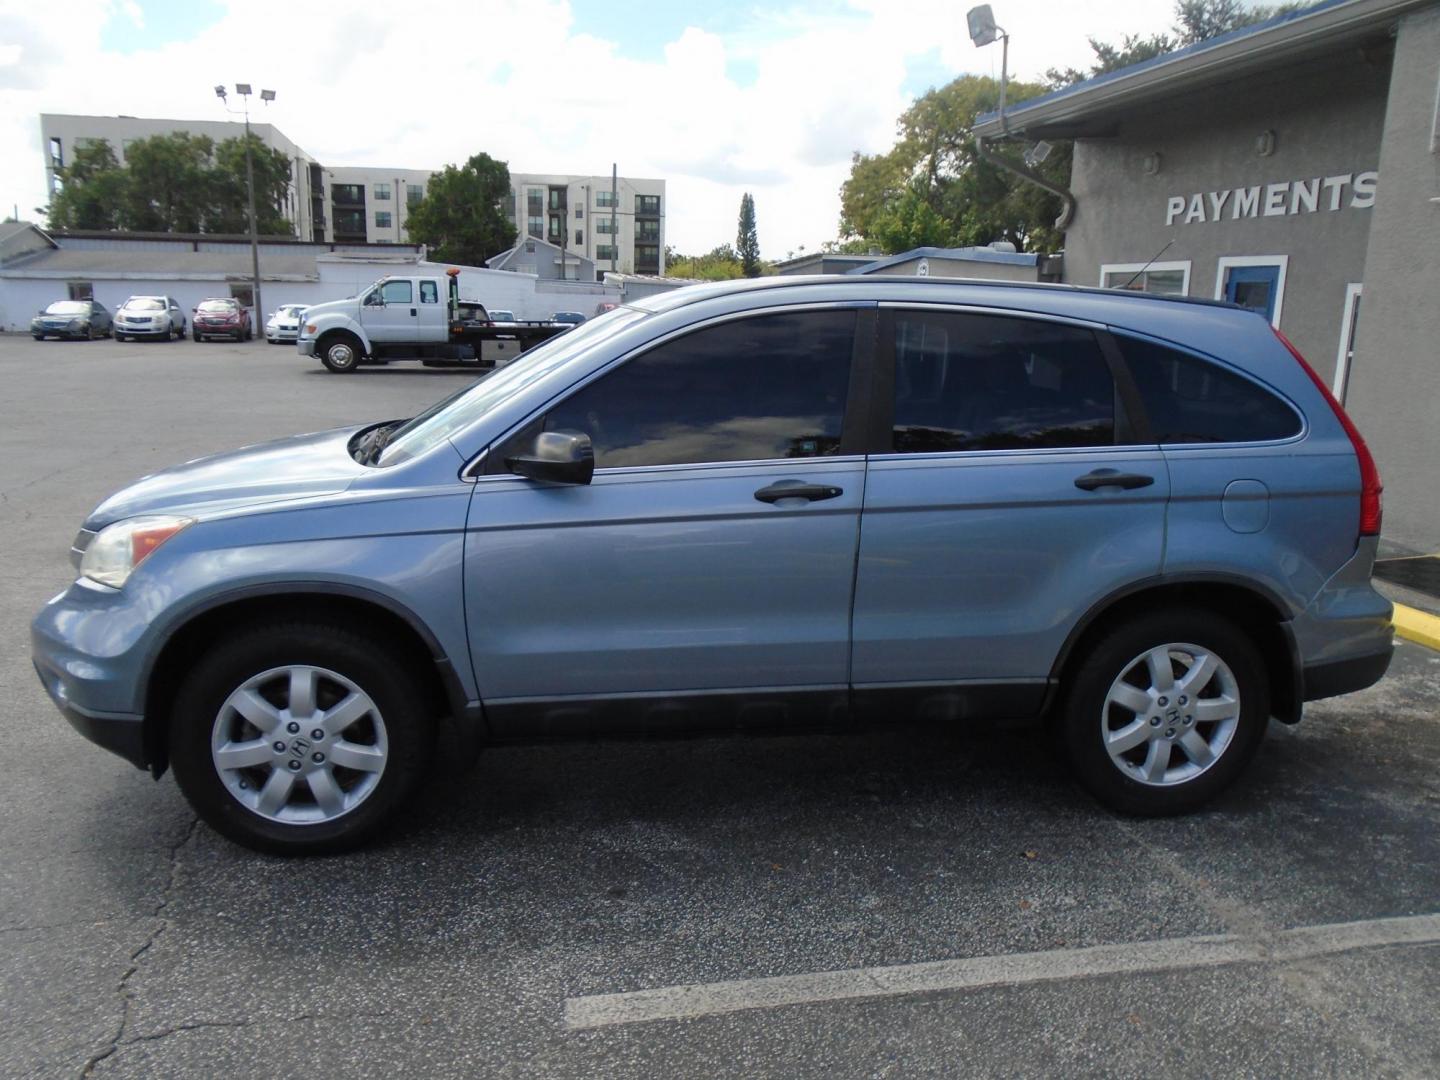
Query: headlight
x=117, y=549
x=76, y=324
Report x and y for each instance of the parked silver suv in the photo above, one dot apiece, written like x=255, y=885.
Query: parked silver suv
x=773, y=503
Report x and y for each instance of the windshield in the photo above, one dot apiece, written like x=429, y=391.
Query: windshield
x=68, y=307
x=144, y=303
x=463, y=408
x=290, y=309
x=217, y=305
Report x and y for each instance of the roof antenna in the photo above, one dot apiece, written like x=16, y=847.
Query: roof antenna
x=1147, y=266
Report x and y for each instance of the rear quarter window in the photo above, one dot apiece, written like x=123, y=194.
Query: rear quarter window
x=1190, y=400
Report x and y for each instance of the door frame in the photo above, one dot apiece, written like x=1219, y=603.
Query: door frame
x=1343, y=354
x=1280, y=261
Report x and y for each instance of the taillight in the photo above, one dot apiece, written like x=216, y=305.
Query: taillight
x=1370, y=486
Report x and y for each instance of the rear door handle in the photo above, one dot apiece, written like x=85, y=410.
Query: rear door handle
x=1103, y=478
x=797, y=489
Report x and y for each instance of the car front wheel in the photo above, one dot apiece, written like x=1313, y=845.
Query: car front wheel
x=299, y=738
x=340, y=353
x=1165, y=712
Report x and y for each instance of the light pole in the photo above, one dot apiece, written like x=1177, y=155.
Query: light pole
x=267, y=96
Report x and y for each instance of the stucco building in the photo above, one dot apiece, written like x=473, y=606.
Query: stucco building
x=1292, y=167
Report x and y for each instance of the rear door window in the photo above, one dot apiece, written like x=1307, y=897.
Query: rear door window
x=968, y=382
x=1190, y=400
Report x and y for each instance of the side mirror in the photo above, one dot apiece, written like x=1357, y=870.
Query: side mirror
x=374, y=299
x=558, y=457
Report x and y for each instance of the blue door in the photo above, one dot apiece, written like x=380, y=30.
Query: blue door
x=708, y=566
x=1254, y=287
x=1014, y=498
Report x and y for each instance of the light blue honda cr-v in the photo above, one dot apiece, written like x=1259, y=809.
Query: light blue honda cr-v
x=784, y=503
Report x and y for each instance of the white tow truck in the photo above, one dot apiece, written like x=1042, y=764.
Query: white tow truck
x=414, y=318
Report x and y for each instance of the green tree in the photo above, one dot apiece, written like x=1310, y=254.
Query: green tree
x=719, y=264
x=933, y=187
x=460, y=217
x=171, y=183
x=229, y=203
x=92, y=190
x=747, y=240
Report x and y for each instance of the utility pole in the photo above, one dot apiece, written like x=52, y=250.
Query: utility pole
x=267, y=96
x=614, y=231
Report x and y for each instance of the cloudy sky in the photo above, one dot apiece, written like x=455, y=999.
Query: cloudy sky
x=717, y=97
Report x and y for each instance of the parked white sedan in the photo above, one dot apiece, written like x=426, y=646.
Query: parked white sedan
x=284, y=323
x=159, y=317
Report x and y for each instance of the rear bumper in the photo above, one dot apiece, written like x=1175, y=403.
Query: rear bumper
x=1346, y=676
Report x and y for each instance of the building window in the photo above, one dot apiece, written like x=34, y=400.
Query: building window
x=579, y=212
x=647, y=204
x=382, y=218
x=382, y=192
x=557, y=198
x=579, y=237
x=530, y=247
x=604, y=198
x=606, y=225
x=605, y=251
x=534, y=201
x=1161, y=278
x=413, y=194
x=348, y=194
x=535, y=226
x=57, y=153
x=647, y=257
x=557, y=232
x=243, y=293
x=1256, y=282
x=647, y=230
x=81, y=290
x=350, y=223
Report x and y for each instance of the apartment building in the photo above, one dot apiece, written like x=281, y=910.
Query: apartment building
x=61, y=134
x=373, y=204
x=620, y=230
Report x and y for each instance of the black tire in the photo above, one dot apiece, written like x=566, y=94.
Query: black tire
x=38, y=337
x=340, y=353
x=90, y=334
x=196, y=335
x=408, y=727
x=1086, y=715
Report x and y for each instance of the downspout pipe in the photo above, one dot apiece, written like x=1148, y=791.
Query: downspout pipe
x=1067, y=198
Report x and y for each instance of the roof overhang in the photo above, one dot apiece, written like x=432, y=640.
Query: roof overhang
x=1094, y=108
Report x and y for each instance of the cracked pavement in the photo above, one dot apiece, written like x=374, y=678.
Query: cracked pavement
x=134, y=943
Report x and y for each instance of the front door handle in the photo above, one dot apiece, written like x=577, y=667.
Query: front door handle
x=414, y=312
x=1103, y=478
x=797, y=489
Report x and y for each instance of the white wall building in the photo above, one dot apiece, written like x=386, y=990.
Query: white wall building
x=577, y=213
x=37, y=268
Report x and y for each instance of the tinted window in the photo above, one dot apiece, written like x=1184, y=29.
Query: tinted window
x=1190, y=400
x=397, y=292
x=429, y=292
x=767, y=387
x=984, y=382
x=218, y=305
x=144, y=304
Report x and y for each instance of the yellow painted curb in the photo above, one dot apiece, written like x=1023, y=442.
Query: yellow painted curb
x=1417, y=626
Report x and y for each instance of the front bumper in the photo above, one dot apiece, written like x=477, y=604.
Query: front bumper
x=89, y=690
x=305, y=346
x=281, y=334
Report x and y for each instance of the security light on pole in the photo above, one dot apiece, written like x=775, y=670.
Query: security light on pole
x=983, y=31
x=267, y=96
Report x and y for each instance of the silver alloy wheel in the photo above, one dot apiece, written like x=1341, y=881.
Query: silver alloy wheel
x=300, y=745
x=1170, y=714
x=340, y=354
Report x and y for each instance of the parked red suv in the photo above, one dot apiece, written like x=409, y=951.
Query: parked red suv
x=221, y=317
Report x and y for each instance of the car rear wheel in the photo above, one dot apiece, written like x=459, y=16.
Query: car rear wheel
x=299, y=738
x=1165, y=712
x=38, y=337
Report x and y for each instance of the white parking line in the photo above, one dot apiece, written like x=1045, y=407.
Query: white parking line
x=1141, y=957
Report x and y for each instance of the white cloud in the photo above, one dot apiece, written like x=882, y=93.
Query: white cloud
x=372, y=82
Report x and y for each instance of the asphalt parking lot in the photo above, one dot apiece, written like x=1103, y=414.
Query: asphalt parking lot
x=888, y=904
